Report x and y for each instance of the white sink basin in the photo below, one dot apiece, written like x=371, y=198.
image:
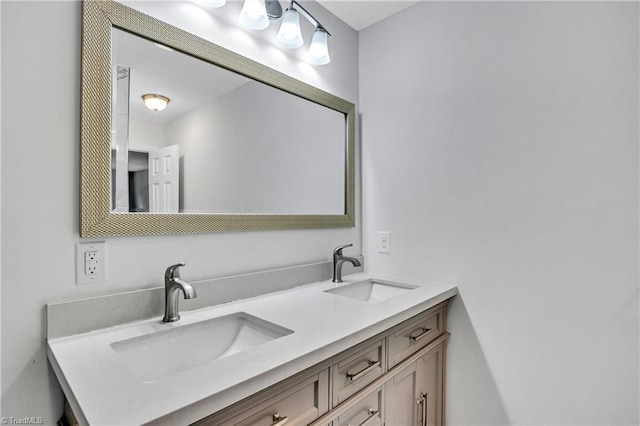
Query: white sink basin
x=160, y=354
x=371, y=290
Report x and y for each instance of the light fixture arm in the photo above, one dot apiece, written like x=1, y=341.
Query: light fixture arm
x=308, y=16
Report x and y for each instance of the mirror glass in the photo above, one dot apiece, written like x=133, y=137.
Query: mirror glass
x=224, y=144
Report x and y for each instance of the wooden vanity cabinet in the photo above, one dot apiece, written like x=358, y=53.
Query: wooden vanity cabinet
x=395, y=379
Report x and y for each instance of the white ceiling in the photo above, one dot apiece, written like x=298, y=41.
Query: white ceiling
x=359, y=14
x=188, y=82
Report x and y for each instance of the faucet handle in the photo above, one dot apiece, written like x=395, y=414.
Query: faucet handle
x=173, y=271
x=338, y=250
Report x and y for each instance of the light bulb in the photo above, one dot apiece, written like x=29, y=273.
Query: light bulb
x=289, y=35
x=319, y=50
x=254, y=15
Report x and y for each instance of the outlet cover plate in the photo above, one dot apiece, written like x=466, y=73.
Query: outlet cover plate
x=384, y=242
x=95, y=253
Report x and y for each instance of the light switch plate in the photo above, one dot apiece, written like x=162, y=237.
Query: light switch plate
x=91, y=265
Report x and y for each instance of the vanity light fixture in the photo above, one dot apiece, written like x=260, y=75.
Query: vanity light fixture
x=155, y=102
x=256, y=14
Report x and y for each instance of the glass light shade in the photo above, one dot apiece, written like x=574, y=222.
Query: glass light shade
x=253, y=15
x=289, y=35
x=155, y=102
x=210, y=3
x=319, y=50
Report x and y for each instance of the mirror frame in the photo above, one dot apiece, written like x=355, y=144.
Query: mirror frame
x=96, y=217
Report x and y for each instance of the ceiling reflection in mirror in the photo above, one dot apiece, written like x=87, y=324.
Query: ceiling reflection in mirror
x=224, y=144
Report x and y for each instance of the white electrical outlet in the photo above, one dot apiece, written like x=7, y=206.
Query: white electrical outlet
x=384, y=242
x=90, y=262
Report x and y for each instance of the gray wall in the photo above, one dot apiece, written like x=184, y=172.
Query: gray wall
x=40, y=133
x=500, y=148
x=259, y=150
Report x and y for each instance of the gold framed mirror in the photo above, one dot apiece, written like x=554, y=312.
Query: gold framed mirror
x=99, y=217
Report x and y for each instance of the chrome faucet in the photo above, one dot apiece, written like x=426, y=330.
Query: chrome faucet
x=339, y=259
x=172, y=285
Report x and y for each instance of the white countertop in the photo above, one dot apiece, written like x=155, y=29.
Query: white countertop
x=97, y=383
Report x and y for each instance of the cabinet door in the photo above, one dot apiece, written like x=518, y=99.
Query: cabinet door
x=400, y=398
x=414, y=396
x=429, y=391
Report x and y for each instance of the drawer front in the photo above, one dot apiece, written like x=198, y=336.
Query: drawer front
x=299, y=404
x=416, y=334
x=357, y=370
x=367, y=412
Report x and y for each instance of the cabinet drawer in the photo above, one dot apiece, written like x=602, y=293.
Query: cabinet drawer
x=357, y=370
x=367, y=412
x=298, y=404
x=415, y=334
